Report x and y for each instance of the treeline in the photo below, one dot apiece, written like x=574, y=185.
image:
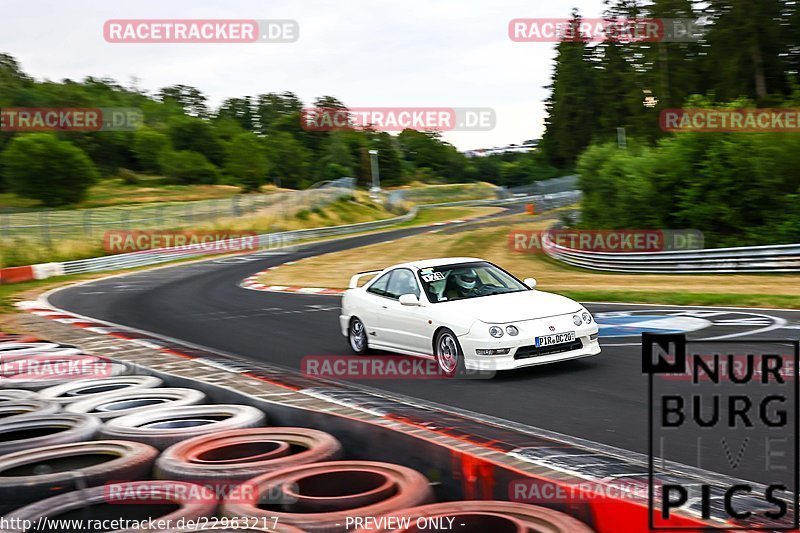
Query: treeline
x=247, y=141
x=739, y=188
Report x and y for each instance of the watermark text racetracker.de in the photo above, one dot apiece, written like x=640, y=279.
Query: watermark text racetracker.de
x=624, y=240
x=619, y=29
x=201, y=523
x=398, y=118
x=377, y=368
x=46, y=367
x=544, y=492
x=86, y=119
x=198, y=491
x=201, y=31
x=178, y=241
x=745, y=120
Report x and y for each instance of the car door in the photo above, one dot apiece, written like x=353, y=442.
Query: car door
x=404, y=327
x=374, y=304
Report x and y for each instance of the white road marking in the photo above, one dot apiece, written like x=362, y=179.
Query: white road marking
x=778, y=324
x=697, y=306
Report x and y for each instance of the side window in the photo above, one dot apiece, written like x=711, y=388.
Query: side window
x=403, y=282
x=379, y=287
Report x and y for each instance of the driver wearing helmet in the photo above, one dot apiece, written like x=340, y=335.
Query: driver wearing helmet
x=461, y=283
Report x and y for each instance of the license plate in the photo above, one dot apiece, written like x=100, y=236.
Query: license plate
x=555, y=338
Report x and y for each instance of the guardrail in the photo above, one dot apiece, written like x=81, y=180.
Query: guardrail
x=743, y=259
x=268, y=241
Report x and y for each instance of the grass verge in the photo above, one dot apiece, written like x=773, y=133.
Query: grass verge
x=422, y=193
x=492, y=243
x=28, y=251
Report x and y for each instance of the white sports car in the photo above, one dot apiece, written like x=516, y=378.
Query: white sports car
x=467, y=314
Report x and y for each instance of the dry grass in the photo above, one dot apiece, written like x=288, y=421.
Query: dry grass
x=359, y=208
x=334, y=270
x=423, y=193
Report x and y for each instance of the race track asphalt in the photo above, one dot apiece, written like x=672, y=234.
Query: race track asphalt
x=602, y=399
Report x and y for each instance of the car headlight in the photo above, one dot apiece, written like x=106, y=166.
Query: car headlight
x=496, y=331
x=587, y=317
x=512, y=330
x=576, y=319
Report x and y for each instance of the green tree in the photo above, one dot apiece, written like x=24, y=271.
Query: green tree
x=619, y=96
x=389, y=159
x=272, y=106
x=148, y=145
x=197, y=135
x=186, y=167
x=15, y=85
x=190, y=100
x=239, y=110
x=246, y=161
x=745, y=49
x=288, y=160
x=227, y=128
x=337, y=161
x=423, y=149
x=571, y=106
x=329, y=102
x=674, y=67
x=42, y=167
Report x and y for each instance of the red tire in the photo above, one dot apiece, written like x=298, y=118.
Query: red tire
x=8, y=410
x=164, y=426
x=322, y=496
x=126, y=402
x=25, y=432
x=242, y=454
x=84, y=389
x=50, y=470
x=13, y=395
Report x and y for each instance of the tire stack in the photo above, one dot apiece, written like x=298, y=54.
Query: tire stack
x=121, y=446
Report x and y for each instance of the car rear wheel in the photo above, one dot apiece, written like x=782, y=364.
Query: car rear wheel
x=448, y=353
x=357, y=335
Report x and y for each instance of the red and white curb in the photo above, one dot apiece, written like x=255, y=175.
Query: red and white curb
x=252, y=283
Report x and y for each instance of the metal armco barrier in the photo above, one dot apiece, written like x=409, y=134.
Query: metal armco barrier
x=268, y=241
x=771, y=258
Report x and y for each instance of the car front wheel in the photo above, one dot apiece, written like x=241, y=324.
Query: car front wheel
x=357, y=335
x=448, y=353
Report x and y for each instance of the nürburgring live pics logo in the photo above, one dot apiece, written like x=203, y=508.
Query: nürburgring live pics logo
x=734, y=406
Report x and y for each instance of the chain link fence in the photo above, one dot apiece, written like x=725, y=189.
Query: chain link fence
x=47, y=226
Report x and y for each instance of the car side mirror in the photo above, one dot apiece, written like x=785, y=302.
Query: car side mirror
x=409, y=299
x=530, y=282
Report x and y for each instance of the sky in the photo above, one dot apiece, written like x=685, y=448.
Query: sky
x=376, y=53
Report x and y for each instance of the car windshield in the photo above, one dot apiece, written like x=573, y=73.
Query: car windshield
x=467, y=280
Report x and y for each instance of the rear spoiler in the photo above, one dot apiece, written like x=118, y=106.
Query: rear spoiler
x=354, y=279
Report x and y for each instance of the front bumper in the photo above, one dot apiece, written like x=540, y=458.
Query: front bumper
x=344, y=324
x=522, y=352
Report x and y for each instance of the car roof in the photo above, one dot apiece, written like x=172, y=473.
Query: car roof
x=429, y=263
